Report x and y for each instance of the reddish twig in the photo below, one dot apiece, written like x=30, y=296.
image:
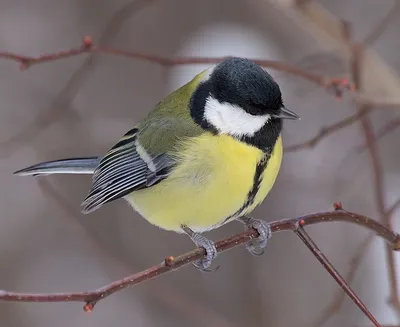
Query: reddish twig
x=172, y=263
x=378, y=181
x=162, y=292
x=356, y=61
x=89, y=47
x=339, y=298
x=61, y=103
x=328, y=130
x=65, y=97
x=307, y=240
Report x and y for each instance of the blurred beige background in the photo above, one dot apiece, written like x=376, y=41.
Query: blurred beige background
x=46, y=245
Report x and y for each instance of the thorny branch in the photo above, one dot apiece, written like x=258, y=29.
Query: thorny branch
x=172, y=263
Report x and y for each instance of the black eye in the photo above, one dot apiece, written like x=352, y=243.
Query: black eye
x=255, y=109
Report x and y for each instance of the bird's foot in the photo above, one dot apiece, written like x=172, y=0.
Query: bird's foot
x=208, y=245
x=256, y=246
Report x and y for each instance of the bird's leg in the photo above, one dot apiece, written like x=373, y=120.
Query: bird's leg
x=208, y=245
x=256, y=246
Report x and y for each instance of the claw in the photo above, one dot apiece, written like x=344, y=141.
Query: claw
x=256, y=246
x=208, y=245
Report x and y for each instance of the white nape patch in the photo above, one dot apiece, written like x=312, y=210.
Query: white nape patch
x=232, y=119
x=145, y=156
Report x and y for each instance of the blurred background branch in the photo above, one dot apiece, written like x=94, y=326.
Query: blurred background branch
x=90, y=100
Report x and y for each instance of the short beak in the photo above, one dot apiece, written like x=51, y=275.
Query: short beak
x=286, y=114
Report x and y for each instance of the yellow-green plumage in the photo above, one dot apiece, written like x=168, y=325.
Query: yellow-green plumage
x=211, y=182
x=214, y=173
x=170, y=121
x=207, y=154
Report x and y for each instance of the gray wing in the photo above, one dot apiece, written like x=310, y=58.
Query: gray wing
x=122, y=170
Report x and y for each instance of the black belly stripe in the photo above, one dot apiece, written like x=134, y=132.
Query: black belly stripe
x=261, y=165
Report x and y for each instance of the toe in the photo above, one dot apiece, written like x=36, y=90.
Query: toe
x=204, y=265
x=211, y=252
x=263, y=229
x=256, y=246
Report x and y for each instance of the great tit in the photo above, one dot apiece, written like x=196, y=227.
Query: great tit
x=207, y=154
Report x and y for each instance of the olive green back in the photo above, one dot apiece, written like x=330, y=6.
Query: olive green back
x=170, y=121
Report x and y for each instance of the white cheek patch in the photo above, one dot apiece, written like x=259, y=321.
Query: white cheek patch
x=232, y=119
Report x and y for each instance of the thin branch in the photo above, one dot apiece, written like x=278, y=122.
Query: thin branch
x=393, y=208
x=328, y=130
x=383, y=131
x=89, y=47
x=307, y=240
x=377, y=102
x=339, y=298
x=356, y=63
x=367, y=104
x=382, y=25
x=63, y=100
x=162, y=292
x=378, y=181
x=172, y=263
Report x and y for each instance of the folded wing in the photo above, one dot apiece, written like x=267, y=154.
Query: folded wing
x=123, y=170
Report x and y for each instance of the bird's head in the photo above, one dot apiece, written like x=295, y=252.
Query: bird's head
x=239, y=98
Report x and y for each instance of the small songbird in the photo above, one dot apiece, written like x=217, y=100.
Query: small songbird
x=207, y=154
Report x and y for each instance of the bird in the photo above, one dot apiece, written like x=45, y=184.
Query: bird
x=206, y=155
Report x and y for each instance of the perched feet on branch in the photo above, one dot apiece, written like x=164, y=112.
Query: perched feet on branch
x=256, y=246
x=208, y=245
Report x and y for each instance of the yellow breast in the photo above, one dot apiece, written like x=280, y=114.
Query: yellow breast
x=210, y=183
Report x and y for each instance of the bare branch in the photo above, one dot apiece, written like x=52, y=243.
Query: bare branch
x=61, y=103
x=172, y=263
x=63, y=100
x=378, y=180
x=339, y=298
x=89, y=47
x=303, y=235
x=383, y=131
x=376, y=102
x=328, y=130
x=356, y=63
x=393, y=208
x=383, y=24
x=162, y=292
